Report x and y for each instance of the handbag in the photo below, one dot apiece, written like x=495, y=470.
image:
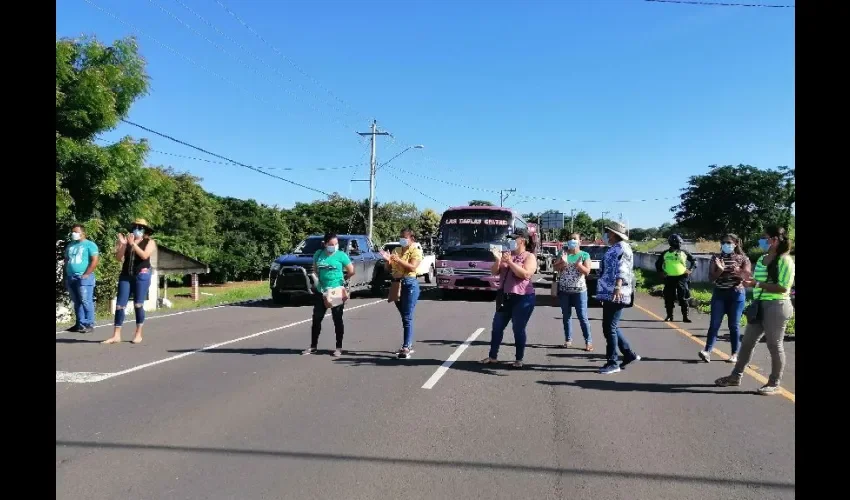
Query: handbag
x=395, y=291
x=754, y=311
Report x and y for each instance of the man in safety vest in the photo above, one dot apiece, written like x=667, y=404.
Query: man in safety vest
x=675, y=266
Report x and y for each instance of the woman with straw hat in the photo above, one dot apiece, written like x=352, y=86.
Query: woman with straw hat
x=134, y=251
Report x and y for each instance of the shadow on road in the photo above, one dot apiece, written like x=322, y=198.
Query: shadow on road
x=442, y=464
x=76, y=341
x=617, y=386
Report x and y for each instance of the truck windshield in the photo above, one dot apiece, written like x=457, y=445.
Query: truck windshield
x=314, y=243
x=597, y=252
x=470, y=228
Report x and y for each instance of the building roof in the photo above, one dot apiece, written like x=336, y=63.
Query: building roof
x=169, y=261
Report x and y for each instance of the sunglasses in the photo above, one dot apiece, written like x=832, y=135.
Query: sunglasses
x=140, y=228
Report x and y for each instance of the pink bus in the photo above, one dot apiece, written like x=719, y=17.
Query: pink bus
x=464, y=239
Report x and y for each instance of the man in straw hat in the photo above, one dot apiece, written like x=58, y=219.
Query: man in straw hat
x=614, y=290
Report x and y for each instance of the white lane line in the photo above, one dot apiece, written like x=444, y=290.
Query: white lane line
x=454, y=357
x=82, y=378
x=188, y=311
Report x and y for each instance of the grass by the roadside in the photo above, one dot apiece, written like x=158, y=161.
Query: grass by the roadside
x=651, y=283
x=702, y=246
x=211, y=295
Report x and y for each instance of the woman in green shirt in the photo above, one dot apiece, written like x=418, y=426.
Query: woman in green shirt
x=771, y=282
x=333, y=268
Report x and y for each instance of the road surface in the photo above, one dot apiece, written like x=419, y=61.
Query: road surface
x=219, y=404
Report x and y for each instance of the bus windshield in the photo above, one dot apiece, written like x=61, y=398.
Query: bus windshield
x=474, y=227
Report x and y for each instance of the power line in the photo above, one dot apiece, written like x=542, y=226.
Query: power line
x=202, y=150
x=725, y=4
x=418, y=191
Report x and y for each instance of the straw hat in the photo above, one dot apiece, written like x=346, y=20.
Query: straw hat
x=617, y=228
x=143, y=223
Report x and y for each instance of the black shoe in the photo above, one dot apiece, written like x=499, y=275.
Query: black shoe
x=86, y=329
x=685, y=318
x=74, y=329
x=669, y=317
x=628, y=360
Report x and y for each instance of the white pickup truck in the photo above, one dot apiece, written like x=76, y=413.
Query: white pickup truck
x=426, y=267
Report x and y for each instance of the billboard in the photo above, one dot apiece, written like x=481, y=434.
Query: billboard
x=551, y=220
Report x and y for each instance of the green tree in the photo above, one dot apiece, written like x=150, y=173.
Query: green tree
x=480, y=203
x=428, y=224
x=739, y=199
x=102, y=187
x=581, y=223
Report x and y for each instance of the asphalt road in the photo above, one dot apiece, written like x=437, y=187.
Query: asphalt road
x=219, y=404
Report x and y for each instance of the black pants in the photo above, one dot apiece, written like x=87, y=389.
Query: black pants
x=319, y=311
x=676, y=289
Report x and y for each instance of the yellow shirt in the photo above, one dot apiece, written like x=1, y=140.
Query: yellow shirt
x=407, y=254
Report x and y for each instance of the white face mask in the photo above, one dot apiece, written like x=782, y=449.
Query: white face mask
x=332, y=248
x=404, y=242
x=512, y=245
x=138, y=233
x=76, y=236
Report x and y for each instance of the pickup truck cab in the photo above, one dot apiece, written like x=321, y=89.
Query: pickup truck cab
x=426, y=269
x=597, y=253
x=292, y=275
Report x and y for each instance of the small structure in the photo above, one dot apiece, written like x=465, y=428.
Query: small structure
x=168, y=261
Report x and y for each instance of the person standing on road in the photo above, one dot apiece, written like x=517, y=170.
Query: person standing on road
x=672, y=266
x=516, y=299
x=403, y=263
x=770, y=309
x=134, y=252
x=572, y=265
x=614, y=290
x=333, y=270
x=81, y=259
x=728, y=296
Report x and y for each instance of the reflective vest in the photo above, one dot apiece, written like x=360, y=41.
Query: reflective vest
x=674, y=263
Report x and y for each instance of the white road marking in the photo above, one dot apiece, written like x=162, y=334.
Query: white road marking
x=188, y=311
x=454, y=357
x=87, y=377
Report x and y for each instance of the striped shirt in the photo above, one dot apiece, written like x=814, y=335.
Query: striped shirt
x=785, y=278
x=731, y=263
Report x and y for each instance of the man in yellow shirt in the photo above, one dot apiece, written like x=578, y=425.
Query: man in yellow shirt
x=403, y=263
x=675, y=266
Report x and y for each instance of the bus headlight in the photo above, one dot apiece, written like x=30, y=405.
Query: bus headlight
x=445, y=271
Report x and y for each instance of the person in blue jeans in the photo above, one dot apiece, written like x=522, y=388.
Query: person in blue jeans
x=403, y=264
x=134, y=252
x=81, y=259
x=729, y=296
x=572, y=265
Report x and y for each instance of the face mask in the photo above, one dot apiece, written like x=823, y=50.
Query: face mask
x=331, y=248
x=727, y=248
x=404, y=242
x=572, y=244
x=605, y=238
x=138, y=233
x=512, y=245
x=764, y=244
x=76, y=236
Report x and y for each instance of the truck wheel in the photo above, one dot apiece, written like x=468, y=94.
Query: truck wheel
x=279, y=298
x=429, y=278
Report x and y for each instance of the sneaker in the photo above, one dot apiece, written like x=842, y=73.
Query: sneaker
x=768, y=390
x=609, y=369
x=705, y=356
x=732, y=359
x=73, y=329
x=309, y=350
x=86, y=329
x=337, y=353
x=405, y=353
x=568, y=344
x=627, y=361
x=728, y=381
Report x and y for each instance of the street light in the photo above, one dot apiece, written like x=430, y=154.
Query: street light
x=405, y=150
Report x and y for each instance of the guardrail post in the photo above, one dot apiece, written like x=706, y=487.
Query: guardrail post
x=196, y=291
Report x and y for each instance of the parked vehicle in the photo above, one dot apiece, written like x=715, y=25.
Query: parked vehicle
x=426, y=269
x=292, y=275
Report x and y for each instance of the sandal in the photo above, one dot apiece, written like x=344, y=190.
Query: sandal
x=488, y=361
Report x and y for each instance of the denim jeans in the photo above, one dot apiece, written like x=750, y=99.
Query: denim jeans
x=730, y=303
x=82, y=296
x=611, y=314
x=517, y=311
x=406, y=305
x=577, y=300
x=137, y=285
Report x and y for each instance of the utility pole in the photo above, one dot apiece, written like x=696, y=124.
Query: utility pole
x=603, y=221
x=372, y=169
x=572, y=219
x=503, y=196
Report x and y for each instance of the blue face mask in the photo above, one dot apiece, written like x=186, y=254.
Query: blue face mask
x=605, y=238
x=572, y=244
x=138, y=233
x=727, y=248
x=764, y=244
x=512, y=245
x=404, y=242
x=331, y=248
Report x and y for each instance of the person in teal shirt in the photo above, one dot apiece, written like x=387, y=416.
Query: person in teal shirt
x=333, y=268
x=572, y=265
x=81, y=259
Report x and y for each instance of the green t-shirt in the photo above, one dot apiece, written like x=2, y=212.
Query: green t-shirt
x=581, y=255
x=329, y=269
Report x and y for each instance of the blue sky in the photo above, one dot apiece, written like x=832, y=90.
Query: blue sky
x=601, y=100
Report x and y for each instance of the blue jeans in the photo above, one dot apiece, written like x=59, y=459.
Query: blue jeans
x=577, y=300
x=82, y=296
x=729, y=302
x=614, y=338
x=517, y=311
x=406, y=305
x=139, y=286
